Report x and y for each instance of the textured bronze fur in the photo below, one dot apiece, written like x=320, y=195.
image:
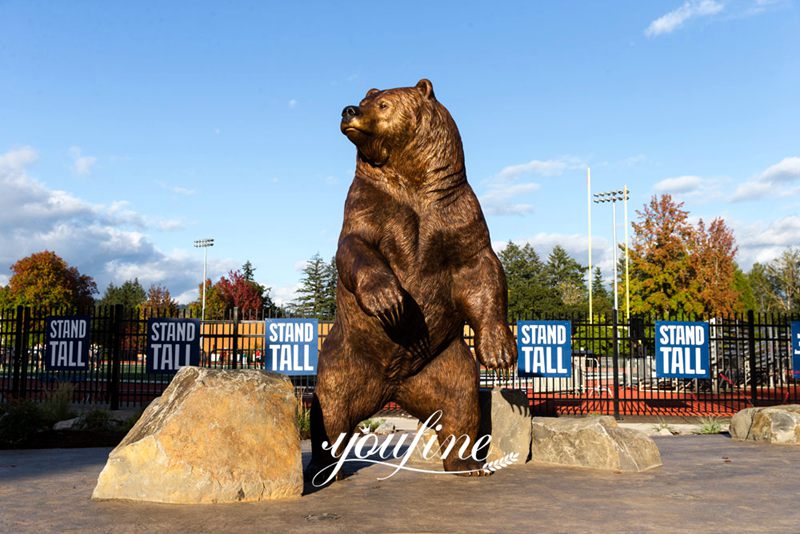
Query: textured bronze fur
x=415, y=262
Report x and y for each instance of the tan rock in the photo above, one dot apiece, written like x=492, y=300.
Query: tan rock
x=505, y=415
x=773, y=424
x=212, y=436
x=594, y=442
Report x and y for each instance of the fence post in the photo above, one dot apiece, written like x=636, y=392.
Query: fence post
x=615, y=360
x=19, y=347
x=751, y=348
x=116, y=354
x=235, y=341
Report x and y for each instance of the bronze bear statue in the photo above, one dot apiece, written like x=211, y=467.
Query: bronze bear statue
x=415, y=263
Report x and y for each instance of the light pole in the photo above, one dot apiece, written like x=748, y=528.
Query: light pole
x=613, y=197
x=204, y=244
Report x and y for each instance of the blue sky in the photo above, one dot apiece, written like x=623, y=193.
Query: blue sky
x=128, y=130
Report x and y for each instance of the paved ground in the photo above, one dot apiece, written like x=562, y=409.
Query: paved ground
x=707, y=483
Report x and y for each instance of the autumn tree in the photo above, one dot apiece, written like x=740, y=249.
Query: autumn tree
x=679, y=268
x=661, y=275
x=711, y=252
x=45, y=280
x=130, y=294
x=240, y=292
x=159, y=300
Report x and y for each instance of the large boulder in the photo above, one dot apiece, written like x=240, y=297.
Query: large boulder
x=212, y=436
x=594, y=442
x=773, y=424
x=505, y=415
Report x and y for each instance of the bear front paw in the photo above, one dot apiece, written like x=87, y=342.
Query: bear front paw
x=382, y=298
x=496, y=348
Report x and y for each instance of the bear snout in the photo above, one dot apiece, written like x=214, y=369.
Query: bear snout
x=350, y=111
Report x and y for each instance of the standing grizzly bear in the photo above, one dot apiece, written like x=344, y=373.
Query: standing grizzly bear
x=415, y=262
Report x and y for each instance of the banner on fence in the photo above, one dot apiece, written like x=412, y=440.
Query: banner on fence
x=682, y=349
x=67, y=340
x=291, y=346
x=172, y=344
x=796, y=350
x=544, y=348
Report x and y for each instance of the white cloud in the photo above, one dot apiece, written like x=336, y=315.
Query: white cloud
x=106, y=242
x=502, y=194
x=762, y=241
x=501, y=200
x=292, y=103
x=773, y=180
x=81, y=164
x=284, y=295
x=178, y=190
x=3, y=280
x=679, y=184
x=786, y=170
x=675, y=19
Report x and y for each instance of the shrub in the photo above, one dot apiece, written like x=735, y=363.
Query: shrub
x=57, y=405
x=20, y=421
x=303, y=420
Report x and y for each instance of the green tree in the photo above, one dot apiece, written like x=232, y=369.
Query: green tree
x=45, y=280
x=525, y=277
x=567, y=278
x=130, y=294
x=747, y=299
x=314, y=298
x=601, y=296
x=783, y=276
x=762, y=290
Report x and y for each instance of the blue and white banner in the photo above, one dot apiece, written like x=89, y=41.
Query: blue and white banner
x=291, y=346
x=67, y=340
x=172, y=344
x=544, y=348
x=796, y=350
x=682, y=349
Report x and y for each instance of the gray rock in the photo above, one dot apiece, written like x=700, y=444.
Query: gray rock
x=773, y=424
x=212, y=436
x=594, y=442
x=66, y=424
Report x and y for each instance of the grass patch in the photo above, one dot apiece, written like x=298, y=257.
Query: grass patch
x=710, y=425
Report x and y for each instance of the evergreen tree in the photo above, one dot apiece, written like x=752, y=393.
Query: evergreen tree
x=601, y=297
x=313, y=298
x=567, y=278
x=527, y=292
x=130, y=294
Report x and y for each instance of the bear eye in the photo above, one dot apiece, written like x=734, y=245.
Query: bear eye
x=383, y=105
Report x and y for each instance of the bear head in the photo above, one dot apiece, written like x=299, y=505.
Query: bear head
x=399, y=124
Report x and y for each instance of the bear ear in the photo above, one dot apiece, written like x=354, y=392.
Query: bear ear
x=426, y=87
x=373, y=91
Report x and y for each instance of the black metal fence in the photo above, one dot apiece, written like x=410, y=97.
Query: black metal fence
x=613, y=363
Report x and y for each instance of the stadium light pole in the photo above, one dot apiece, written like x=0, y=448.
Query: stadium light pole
x=204, y=244
x=613, y=197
